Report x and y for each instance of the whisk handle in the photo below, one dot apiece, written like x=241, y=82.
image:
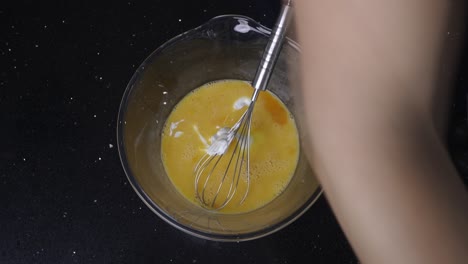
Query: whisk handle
x=271, y=53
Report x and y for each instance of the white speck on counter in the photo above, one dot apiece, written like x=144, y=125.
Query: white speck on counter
x=95, y=116
x=178, y=134
x=99, y=158
x=241, y=102
x=180, y=20
x=111, y=146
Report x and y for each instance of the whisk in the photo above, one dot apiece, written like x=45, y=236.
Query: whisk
x=221, y=141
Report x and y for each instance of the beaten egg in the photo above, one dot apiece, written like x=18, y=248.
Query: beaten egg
x=273, y=143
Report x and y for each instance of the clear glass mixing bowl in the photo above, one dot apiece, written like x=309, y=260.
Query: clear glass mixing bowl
x=226, y=47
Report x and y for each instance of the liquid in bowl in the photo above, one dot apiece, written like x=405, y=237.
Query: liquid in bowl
x=274, y=144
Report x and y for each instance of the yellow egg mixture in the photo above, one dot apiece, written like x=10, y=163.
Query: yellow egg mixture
x=274, y=144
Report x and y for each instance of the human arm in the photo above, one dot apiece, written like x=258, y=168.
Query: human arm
x=371, y=96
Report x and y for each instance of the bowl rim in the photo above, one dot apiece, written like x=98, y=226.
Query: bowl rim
x=144, y=196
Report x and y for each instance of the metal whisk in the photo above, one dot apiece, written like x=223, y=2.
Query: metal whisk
x=221, y=141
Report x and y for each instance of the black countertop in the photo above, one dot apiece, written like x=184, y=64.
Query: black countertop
x=64, y=197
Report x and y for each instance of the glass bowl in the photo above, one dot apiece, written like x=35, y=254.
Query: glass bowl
x=226, y=47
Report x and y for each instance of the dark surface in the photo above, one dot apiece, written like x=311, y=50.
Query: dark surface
x=64, y=197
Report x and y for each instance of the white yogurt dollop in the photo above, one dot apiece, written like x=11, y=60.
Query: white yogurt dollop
x=241, y=102
x=178, y=134
x=174, y=126
x=220, y=142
